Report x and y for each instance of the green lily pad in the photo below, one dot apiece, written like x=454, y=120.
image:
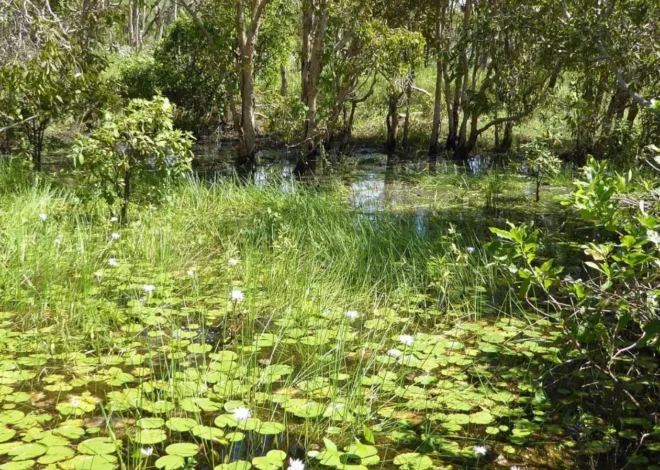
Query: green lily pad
x=56, y=454
x=27, y=452
x=170, y=462
x=181, y=424
x=150, y=423
x=238, y=465
x=413, y=461
x=207, y=432
x=149, y=436
x=24, y=465
x=97, y=446
x=6, y=434
x=182, y=449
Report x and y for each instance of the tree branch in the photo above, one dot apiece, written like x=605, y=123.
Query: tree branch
x=199, y=23
x=619, y=77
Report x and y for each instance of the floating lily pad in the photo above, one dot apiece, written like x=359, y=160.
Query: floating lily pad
x=149, y=436
x=413, y=461
x=182, y=449
x=181, y=424
x=97, y=446
x=170, y=462
x=27, y=452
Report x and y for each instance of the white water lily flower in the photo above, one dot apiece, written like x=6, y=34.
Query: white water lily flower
x=148, y=288
x=395, y=353
x=113, y=262
x=242, y=414
x=470, y=249
x=237, y=296
x=296, y=464
x=407, y=340
x=75, y=402
x=480, y=450
x=352, y=314
x=233, y=261
x=147, y=451
x=43, y=217
x=115, y=236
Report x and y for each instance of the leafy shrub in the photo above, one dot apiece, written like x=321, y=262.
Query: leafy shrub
x=137, y=144
x=138, y=77
x=610, y=315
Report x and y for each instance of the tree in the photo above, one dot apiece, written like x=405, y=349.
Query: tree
x=132, y=146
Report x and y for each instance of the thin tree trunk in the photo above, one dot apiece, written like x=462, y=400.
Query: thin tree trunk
x=126, y=199
x=392, y=122
x=437, y=112
x=284, y=89
x=406, y=122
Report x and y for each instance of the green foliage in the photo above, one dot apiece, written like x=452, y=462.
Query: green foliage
x=137, y=144
x=138, y=77
x=195, y=75
x=610, y=316
x=541, y=162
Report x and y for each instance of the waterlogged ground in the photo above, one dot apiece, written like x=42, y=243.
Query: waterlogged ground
x=217, y=380
x=230, y=360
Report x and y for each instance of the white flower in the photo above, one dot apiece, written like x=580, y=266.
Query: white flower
x=407, y=340
x=237, y=296
x=296, y=464
x=147, y=451
x=113, y=262
x=233, y=261
x=115, y=219
x=190, y=273
x=148, y=288
x=115, y=236
x=480, y=450
x=394, y=353
x=515, y=467
x=470, y=249
x=75, y=402
x=352, y=314
x=58, y=239
x=43, y=217
x=242, y=414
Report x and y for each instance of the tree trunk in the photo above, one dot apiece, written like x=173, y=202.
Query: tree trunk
x=392, y=122
x=247, y=142
x=406, y=122
x=507, y=140
x=306, y=52
x=284, y=90
x=313, y=43
x=452, y=118
x=123, y=217
x=437, y=112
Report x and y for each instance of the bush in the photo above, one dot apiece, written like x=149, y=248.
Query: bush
x=136, y=145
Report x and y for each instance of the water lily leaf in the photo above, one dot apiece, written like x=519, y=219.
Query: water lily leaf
x=97, y=446
x=27, y=452
x=170, y=462
x=235, y=436
x=270, y=428
x=70, y=432
x=23, y=465
x=199, y=348
x=90, y=462
x=481, y=417
x=207, y=432
x=56, y=454
x=150, y=423
x=182, y=449
x=238, y=465
x=149, y=436
x=6, y=434
x=413, y=461
x=181, y=424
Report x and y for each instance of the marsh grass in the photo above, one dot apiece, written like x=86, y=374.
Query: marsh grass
x=153, y=346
